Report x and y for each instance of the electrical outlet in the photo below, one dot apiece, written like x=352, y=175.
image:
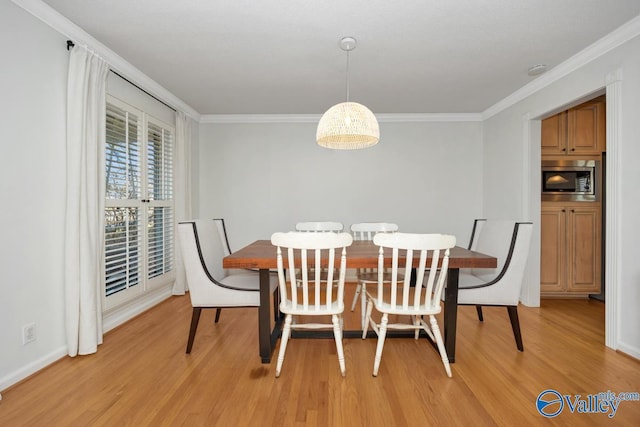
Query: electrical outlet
x=28, y=333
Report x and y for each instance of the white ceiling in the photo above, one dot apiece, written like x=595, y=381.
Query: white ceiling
x=282, y=56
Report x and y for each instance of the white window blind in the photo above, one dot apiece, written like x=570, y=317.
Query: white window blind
x=139, y=212
x=160, y=193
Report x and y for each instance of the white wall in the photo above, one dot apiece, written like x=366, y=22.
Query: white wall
x=33, y=84
x=505, y=149
x=33, y=81
x=426, y=177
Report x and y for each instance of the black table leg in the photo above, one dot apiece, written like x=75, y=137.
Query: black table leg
x=264, y=316
x=451, y=313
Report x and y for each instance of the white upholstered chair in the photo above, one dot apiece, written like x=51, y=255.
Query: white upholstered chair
x=401, y=298
x=366, y=231
x=311, y=294
x=222, y=230
x=224, y=236
x=509, y=242
x=211, y=286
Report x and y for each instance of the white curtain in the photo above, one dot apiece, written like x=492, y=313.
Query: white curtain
x=84, y=221
x=182, y=190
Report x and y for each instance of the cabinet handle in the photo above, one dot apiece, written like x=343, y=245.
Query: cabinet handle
x=572, y=210
x=564, y=149
x=563, y=210
x=573, y=149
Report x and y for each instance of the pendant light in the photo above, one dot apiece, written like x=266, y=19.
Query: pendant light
x=348, y=125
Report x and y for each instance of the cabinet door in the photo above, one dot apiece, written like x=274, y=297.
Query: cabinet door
x=553, y=249
x=583, y=249
x=586, y=128
x=554, y=134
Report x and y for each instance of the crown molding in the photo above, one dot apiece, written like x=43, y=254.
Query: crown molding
x=259, y=118
x=607, y=43
x=314, y=118
x=429, y=117
x=55, y=20
x=64, y=26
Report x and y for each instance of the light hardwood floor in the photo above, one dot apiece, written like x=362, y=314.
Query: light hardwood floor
x=141, y=375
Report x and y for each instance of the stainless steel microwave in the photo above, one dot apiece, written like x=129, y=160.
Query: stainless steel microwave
x=571, y=180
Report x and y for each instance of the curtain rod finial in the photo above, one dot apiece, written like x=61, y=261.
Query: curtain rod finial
x=70, y=44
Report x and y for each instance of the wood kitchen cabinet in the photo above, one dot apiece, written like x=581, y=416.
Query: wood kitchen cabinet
x=554, y=134
x=576, y=132
x=570, y=257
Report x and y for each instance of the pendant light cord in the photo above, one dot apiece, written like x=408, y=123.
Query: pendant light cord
x=347, y=76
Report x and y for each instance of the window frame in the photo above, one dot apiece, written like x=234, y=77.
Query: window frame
x=143, y=204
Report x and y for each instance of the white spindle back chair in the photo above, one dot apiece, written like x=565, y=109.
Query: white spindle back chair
x=307, y=292
x=366, y=231
x=400, y=297
x=320, y=226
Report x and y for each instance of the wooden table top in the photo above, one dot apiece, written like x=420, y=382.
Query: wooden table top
x=361, y=254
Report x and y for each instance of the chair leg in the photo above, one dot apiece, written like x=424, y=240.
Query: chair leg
x=368, y=319
x=195, y=318
x=382, y=333
x=515, y=325
x=355, y=296
x=435, y=330
x=286, y=330
x=218, y=310
x=363, y=304
x=479, y=310
x=337, y=334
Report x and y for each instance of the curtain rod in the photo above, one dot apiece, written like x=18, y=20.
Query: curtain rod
x=71, y=44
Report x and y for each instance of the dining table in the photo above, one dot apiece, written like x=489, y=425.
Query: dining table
x=261, y=255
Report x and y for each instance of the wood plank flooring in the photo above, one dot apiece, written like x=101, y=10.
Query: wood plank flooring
x=141, y=375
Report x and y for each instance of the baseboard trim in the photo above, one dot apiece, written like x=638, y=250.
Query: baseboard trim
x=111, y=320
x=119, y=315
x=628, y=351
x=33, y=367
x=563, y=295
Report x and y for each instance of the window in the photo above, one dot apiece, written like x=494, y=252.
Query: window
x=139, y=206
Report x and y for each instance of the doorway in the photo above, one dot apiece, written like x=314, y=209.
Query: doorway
x=531, y=197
